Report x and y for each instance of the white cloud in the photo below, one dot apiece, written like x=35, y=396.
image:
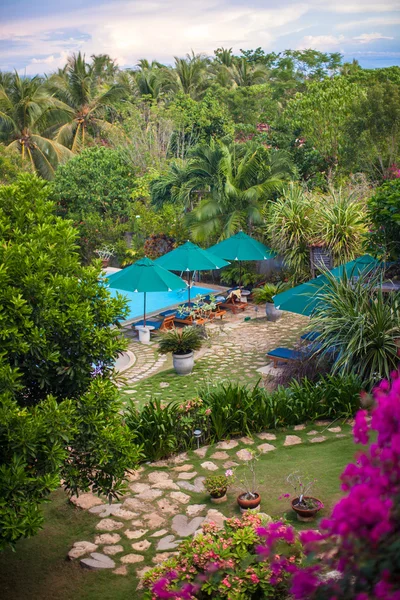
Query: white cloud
x=322, y=42
x=370, y=22
x=366, y=38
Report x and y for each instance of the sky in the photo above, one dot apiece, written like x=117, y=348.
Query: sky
x=36, y=37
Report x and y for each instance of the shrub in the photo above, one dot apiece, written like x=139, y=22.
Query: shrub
x=384, y=212
x=266, y=293
x=224, y=564
x=181, y=341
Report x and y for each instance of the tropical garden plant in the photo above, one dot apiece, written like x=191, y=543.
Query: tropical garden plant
x=266, y=293
x=180, y=341
x=217, y=485
x=384, y=212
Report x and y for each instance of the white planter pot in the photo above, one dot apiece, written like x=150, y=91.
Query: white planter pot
x=144, y=335
x=183, y=363
x=273, y=314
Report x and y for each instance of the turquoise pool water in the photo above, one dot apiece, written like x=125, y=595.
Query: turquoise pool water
x=159, y=301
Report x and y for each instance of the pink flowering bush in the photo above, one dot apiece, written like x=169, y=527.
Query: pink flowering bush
x=227, y=564
x=360, y=541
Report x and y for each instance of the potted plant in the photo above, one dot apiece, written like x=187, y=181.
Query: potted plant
x=304, y=505
x=264, y=295
x=105, y=253
x=181, y=343
x=217, y=486
x=249, y=499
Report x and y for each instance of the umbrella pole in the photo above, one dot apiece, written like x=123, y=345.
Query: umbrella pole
x=189, y=287
x=240, y=274
x=144, y=310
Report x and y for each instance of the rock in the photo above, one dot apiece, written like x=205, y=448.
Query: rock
x=135, y=505
x=227, y=445
x=81, y=548
x=316, y=440
x=335, y=429
x=299, y=427
x=180, y=497
x=167, y=507
x=168, y=543
x=154, y=520
x=292, y=440
x=137, y=523
x=183, y=468
x=165, y=484
x=135, y=534
x=266, y=436
x=162, y=557
x=187, y=476
x=141, y=546
x=185, y=527
x=196, y=486
x=312, y=432
x=180, y=458
x=220, y=455
x=159, y=533
x=195, y=509
x=123, y=570
x=130, y=559
x=164, y=384
x=160, y=463
x=107, y=538
x=137, y=488
x=86, y=500
x=109, y=525
x=246, y=440
x=229, y=464
x=149, y=495
x=157, y=476
x=98, y=561
x=134, y=475
x=264, y=448
x=322, y=423
x=209, y=466
x=244, y=454
x=111, y=550
x=114, y=510
x=216, y=517
x=201, y=452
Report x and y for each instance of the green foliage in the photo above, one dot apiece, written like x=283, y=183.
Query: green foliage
x=361, y=325
x=11, y=165
x=59, y=411
x=216, y=485
x=264, y=294
x=384, y=212
x=244, y=272
x=180, y=341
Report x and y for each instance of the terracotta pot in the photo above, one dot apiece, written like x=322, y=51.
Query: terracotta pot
x=250, y=503
x=105, y=262
x=306, y=514
x=219, y=499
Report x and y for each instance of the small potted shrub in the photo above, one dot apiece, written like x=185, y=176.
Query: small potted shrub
x=305, y=506
x=181, y=343
x=249, y=499
x=217, y=486
x=105, y=253
x=264, y=295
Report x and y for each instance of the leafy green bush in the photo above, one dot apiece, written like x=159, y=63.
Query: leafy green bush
x=266, y=293
x=384, y=211
x=181, y=341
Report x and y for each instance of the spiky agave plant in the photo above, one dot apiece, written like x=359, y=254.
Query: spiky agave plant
x=181, y=341
x=359, y=326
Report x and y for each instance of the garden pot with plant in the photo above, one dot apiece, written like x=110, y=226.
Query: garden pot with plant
x=181, y=343
x=249, y=499
x=217, y=486
x=105, y=253
x=264, y=295
x=305, y=506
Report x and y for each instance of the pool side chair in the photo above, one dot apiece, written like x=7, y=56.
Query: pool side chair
x=150, y=322
x=167, y=313
x=218, y=313
x=286, y=355
x=187, y=319
x=159, y=325
x=310, y=336
x=233, y=303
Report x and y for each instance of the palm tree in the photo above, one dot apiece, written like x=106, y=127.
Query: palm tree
x=244, y=74
x=88, y=103
x=189, y=75
x=235, y=181
x=26, y=109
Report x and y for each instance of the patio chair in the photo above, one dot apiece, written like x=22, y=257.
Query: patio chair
x=310, y=336
x=188, y=319
x=233, y=303
x=158, y=324
x=286, y=355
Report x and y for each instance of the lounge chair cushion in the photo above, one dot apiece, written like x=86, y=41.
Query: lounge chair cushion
x=167, y=313
x=155, y=324
x=287, y=354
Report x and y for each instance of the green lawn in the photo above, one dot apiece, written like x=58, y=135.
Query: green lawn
x=38, y=570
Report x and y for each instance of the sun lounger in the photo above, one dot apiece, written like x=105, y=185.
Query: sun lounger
x=310, y=336
x=158, y=324
x=233, y=303
x=286, y=355
x=188, y=319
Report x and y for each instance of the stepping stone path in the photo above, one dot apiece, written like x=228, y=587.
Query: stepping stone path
x=107, y=538
x=159, y=533
x=81, y=548
x=131, y=559
x=195, y=509
x=335, y=429
x=169, y=542
x=141, y=546
x=86, y=501
x=299, y=427
x=112, y=509
x=313, y=432
x=266, y=436
x=180, y=497
x=227, y=445
x=244, y=454
x=109, y=525
x=98, y=561
x=209, y=466
x=187, y=476
x=292, y=440
x=135, y=534
x=246, y=440
x=229, y=464
x=201, y=452
x=219, y=456
x=318, y=439
x=184, y=526
x=111, y=550
x=197, y=486
x=264, y=448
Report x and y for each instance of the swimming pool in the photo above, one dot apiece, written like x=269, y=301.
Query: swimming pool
x=157, y=301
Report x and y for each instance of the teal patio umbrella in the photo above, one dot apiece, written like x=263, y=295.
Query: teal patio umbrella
x=241, y=247
x=304, y=298
x=145, y=276
x=190, y=257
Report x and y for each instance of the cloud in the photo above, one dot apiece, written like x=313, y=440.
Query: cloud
x=321, y=42
x=370, y=22
x=366, y=38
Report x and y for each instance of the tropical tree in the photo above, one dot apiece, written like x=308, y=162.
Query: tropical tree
x=384, y=212
x=189, y=75
x=244, y=74
x=88, y=104
x=236, y=182
x=26, y=109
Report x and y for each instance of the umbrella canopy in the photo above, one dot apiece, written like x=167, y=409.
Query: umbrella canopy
x=242, y=247
x=190, y=257
x=145, y=276
x=304, y=299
